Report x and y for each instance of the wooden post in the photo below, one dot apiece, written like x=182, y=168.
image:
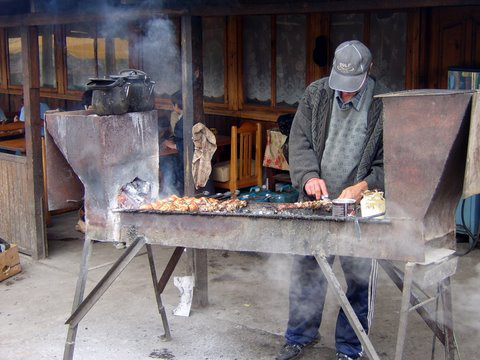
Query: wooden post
x=33, y=140
x=192, y=91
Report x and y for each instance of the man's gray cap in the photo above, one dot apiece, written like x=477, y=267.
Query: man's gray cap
x=350, y=66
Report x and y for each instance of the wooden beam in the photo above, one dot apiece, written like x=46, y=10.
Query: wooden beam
x=223, y=8
x=72, y=17
x=33, y=140
x=192, y=91
x=305, y=7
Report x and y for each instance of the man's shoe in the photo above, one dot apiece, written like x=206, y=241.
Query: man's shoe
x=340, y=356
x=290, y=352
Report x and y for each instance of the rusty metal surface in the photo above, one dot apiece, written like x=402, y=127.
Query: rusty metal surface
x=106, y=152
x=425, y=139
x=62, y=182
x=288, y=235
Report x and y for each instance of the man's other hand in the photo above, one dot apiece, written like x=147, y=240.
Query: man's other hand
x=316, y=187
x=354, y=191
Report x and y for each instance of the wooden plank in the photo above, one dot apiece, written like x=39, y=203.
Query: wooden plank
x=273, y=61
x=192, y=91
x=3, y=58
x=13, y=145
x=14, y=226
x=413, y=50
x=33, y=126
x=222, y=8
x=318, y=25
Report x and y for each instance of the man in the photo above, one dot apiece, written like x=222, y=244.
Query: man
x=335, y=150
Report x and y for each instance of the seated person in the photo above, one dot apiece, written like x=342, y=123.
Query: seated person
x=43, y=109
x=176, y=143
x=3, y=118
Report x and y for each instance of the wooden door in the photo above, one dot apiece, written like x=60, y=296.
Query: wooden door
x=455, y=34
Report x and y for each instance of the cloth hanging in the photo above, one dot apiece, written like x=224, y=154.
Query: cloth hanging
x=205, y=145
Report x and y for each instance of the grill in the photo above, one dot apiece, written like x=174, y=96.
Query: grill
x=425, y=145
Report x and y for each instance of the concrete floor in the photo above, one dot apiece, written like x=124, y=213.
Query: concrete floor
x=245, y=320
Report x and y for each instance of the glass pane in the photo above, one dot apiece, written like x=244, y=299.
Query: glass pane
x=291, y=59
x=101, y=57
x=257, y=63
x=112, y=50
x=388, y=45
x=214, y=59
x=46, y=47
x=344, y=27
x=80, y=41
x=15, y=57
x=161, y=56
x=121, y=54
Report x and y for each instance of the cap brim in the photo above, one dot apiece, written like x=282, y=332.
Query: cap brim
x=346, y=83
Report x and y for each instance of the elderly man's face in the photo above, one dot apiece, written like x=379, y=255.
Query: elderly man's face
x=347, y=96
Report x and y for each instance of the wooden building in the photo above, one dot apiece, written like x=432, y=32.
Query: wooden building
x=258, y=57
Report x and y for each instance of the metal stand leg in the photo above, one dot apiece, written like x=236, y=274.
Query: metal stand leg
x=106, y=281
x=397, y=278
x=347, y=308
x=404, y=310
x=450, y=345
x=158, y=287
x=79, y=291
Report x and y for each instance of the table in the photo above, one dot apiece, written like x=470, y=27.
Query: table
x=12, y=129
x=13, y=145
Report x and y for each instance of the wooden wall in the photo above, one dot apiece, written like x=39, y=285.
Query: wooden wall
x=15, y=225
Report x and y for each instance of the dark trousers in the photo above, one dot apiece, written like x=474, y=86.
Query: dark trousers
x=308, y=287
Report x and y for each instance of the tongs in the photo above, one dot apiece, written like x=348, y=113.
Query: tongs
x=218, y=196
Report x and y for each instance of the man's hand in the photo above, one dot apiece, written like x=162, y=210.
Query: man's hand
x=16, y=119
x=354, y=191
x=316, y=187
x=169, y=144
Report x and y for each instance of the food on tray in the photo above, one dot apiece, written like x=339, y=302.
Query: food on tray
x=316, y=204
x=191, y=204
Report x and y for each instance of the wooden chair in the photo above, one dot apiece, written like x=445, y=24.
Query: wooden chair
x=242, y=170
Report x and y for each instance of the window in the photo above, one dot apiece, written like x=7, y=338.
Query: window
x=283, y=56
x=112, y=51
x=81, y=55
x=92, y=53
x=214, y=59
x=46, y=54
x=388, y=45
x=344, y=27
x=15, y=57
x=161, y=56
x=257, y=59
x=291, y=61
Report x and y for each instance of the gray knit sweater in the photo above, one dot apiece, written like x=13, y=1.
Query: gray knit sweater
x=309, y=133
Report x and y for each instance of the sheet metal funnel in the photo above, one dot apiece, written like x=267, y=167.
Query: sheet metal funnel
x=106, y=152
x=425, y=143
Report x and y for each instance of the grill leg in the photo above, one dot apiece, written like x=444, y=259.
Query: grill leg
x=347, y=308
x=79, y=291
x=159, y=286
x=450, y=345
x=106, y=281
x=397, y=279
x=404, y=310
